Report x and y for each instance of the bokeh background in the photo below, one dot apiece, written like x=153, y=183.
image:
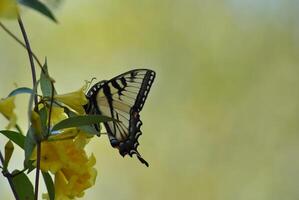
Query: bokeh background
x=221, y=121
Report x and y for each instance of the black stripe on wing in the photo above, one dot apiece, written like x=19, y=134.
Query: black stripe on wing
x=122, y=98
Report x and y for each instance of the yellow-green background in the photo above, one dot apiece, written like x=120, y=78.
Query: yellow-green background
x=221, y=121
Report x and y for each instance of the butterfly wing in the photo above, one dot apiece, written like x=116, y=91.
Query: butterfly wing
x=122, y=98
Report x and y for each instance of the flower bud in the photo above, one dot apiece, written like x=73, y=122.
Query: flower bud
x=36, y=123
x=9, y=148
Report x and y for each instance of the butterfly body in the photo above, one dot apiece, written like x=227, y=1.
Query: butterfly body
x=122, y=98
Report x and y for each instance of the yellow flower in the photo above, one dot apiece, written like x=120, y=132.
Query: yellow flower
x=58, y=154
x=50, y=158
x=73, y=170
x=8, y=9
x=7, y=107
x=82, y=139
x=61, y=188
x=75, y=100
x=73, y=158
x=71, y=184
x=57, y=115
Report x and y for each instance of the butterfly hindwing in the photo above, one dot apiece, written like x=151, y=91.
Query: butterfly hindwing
x=122, y=98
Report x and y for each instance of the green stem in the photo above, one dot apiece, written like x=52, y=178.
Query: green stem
x=19, y=129
x=9, y=178
x=50, y=110
x=38, y=150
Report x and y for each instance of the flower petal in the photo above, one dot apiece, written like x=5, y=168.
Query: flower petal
x=75, y=100
x=7, y=107
x=57, y=115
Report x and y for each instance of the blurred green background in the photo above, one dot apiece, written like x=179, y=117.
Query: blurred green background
x=221, y=122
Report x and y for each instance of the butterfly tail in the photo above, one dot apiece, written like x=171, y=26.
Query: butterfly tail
x=142, y=160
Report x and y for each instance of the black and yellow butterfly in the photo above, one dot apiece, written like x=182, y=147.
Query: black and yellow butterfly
x=122, y=98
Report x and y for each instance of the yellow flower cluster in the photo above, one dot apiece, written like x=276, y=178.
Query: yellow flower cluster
x=8, y=9
x=72, y=168
x=63, y=154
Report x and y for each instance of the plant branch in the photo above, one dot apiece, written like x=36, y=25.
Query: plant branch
x=19, y=129
x=35, y=101
x=38, y=152
x=20, y=42
x=9, y=178
x=50, y=110
x=33, y=73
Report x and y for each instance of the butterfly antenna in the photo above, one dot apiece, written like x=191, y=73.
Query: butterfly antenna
x=88, y=83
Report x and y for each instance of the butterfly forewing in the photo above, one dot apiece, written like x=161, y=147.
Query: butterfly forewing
x=122, y=98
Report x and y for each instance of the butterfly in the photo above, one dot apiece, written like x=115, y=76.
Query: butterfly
x=122, y=98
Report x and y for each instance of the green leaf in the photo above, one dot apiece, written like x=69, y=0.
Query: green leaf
x=39, y=7
x=43, y=113
x=50, y=185
x=45, y=81
x=89, y=129
x=29, y=146
x=29, y=166
x=20, y=90
x=71, y=113
x=78, y=121
x=16, y=137
x=23, y=186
